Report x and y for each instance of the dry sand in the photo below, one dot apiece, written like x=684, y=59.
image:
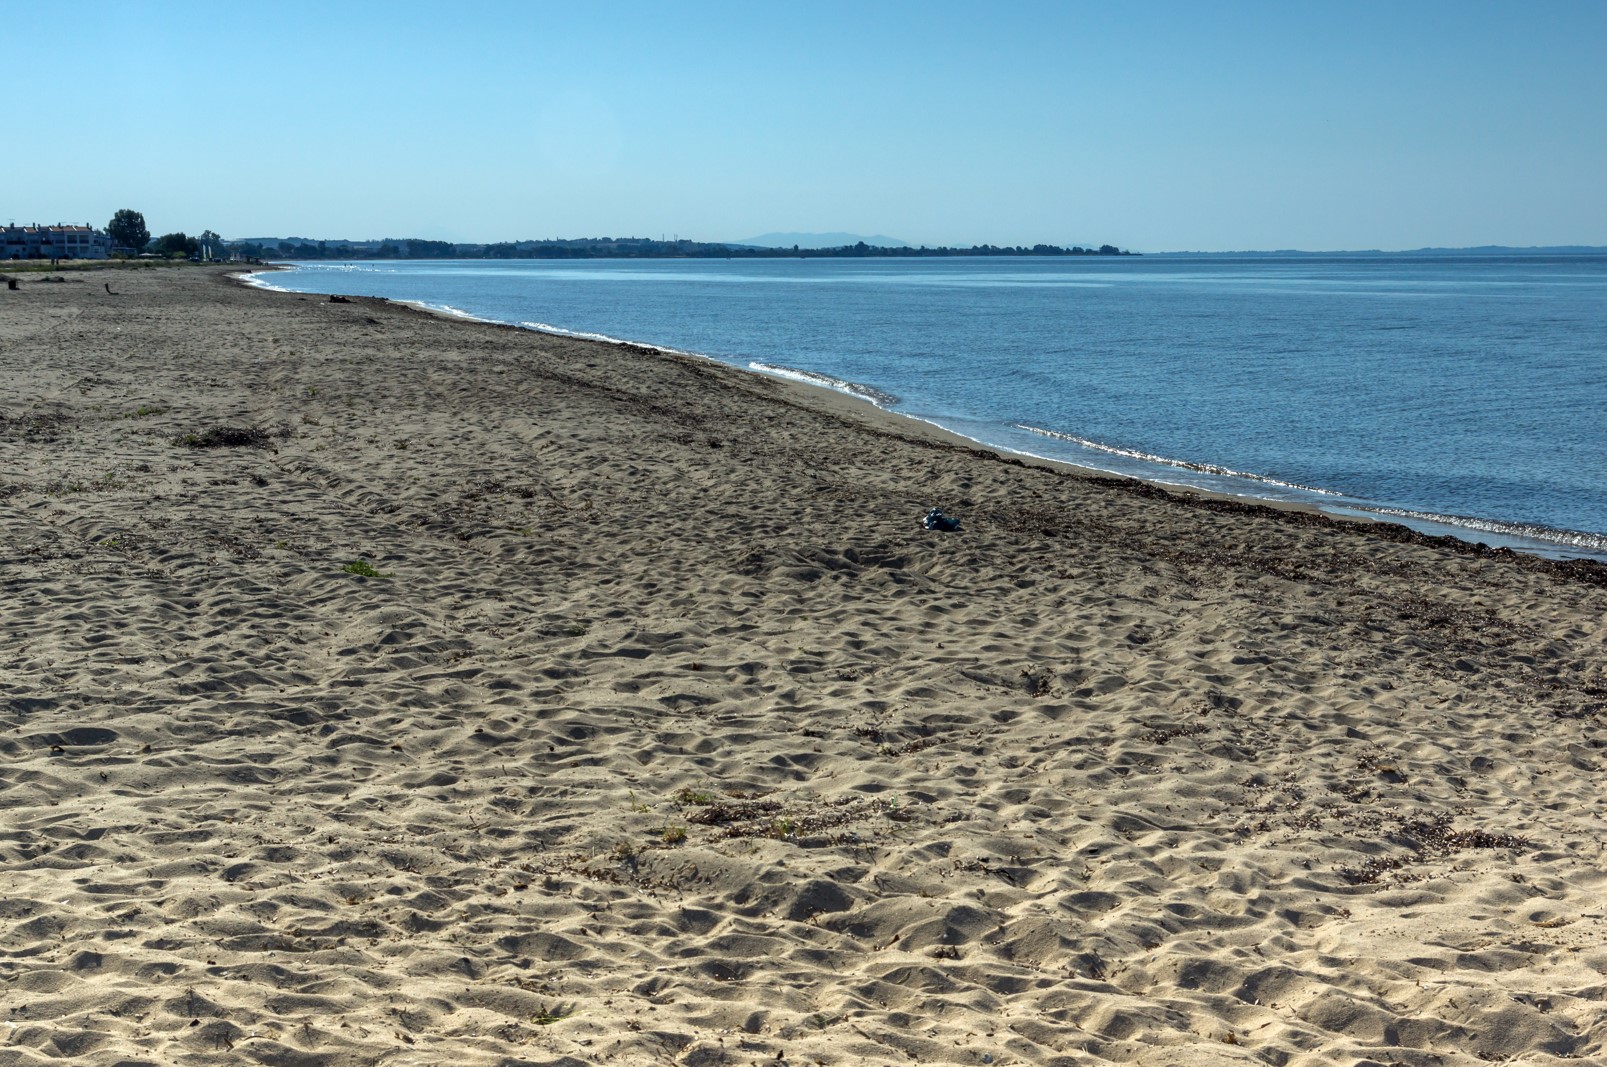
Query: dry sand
x=667, y=736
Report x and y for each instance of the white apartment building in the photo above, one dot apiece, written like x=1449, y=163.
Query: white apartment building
x=60, y=241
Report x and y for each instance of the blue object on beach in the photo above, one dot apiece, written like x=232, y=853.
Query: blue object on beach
x=936, y=520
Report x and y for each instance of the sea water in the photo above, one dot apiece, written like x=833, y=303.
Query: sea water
x=1463, y=395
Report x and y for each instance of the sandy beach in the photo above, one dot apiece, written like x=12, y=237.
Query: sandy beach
x=382, y=689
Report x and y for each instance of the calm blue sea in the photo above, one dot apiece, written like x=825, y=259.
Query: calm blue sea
x=1465, y=395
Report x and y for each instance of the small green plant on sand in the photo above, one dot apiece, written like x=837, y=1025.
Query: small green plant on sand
x=362, y=568
x=672, y=835
x=556, y=1013
x=637, y=806
x=694, y=796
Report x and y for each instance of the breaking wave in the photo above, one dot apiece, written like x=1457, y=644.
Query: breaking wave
x=864, y=392
x=559, y=331
x=1580, y=539
x=259, y=280
x=1167, y=461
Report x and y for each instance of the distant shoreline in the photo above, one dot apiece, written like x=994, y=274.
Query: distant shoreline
x=624, y=248
x=305, y=248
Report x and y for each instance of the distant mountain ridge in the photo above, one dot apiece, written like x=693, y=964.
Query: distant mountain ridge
x=1472, y=250
x=1510, y=250
x=820, y=240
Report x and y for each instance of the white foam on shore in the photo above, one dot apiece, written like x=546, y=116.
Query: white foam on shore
x=1580, y=539
x=259, y=279
x=1167, y=461
x=1530, y=537
x=639, y=346
x=559, y=331
x=448, y=311
x=870, y=393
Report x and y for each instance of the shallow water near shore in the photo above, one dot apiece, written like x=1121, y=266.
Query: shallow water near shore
x=1459, y=395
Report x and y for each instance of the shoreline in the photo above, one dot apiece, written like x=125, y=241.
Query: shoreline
x=386, y=688
x=1528, y=538
x=869, y=413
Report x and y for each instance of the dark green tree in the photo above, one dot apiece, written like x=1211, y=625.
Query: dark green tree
x=176, y=244
x=127, y=230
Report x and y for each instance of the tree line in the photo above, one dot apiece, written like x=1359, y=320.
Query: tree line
x=129, y=233
x=627, y=248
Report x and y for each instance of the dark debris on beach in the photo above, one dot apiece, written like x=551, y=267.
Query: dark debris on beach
x=228, y=437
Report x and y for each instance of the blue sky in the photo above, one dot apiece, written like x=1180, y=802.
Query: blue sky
x=1154, y=126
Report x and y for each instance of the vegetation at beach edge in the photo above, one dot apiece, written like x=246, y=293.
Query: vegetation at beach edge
x=627, y=248
x=127, y=237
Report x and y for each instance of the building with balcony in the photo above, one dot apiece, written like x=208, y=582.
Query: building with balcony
x=60, y=241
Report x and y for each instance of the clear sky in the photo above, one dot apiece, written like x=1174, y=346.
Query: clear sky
x=1150, y=125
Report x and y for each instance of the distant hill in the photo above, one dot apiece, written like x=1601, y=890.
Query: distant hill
x=1508, y=250
x=1477, y=250
x=819, y=240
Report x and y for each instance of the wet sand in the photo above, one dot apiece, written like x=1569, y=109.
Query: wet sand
x=664, y=733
